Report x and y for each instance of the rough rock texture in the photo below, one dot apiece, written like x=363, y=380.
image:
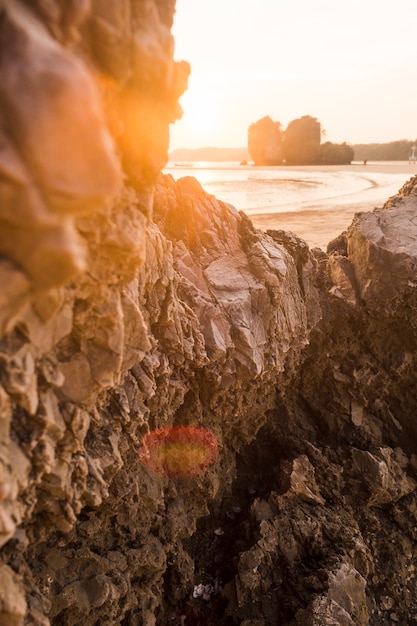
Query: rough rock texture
x=130, y=302
x=84, y=88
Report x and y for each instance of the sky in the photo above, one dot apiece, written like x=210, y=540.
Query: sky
x=352, y=65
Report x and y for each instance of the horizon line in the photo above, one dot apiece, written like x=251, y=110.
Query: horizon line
x=356, y=143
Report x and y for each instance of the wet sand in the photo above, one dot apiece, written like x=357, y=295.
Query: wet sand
x=318, y=225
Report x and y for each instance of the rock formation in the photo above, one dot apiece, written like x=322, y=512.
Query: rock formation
x=130, y=303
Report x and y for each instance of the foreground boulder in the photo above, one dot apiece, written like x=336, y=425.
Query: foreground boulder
x=152, y=304
x=226, y=323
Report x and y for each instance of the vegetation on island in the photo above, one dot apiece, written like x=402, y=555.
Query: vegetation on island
x=400, y=150
x=299, y=144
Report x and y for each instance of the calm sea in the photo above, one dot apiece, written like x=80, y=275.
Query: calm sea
x=265, y=191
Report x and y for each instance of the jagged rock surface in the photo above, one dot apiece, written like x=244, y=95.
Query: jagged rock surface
x=301, y=363
x=226, y=321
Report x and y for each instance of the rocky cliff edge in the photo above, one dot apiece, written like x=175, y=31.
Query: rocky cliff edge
x=131, y=303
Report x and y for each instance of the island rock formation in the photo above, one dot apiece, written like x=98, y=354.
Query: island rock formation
x=130, y=302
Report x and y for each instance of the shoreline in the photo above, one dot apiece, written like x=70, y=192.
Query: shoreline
x=319, y=224
x=389, y=167
x=320, y=221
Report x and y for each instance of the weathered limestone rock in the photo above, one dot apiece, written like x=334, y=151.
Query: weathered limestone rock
x=46, y=90
x=243, y=288
x=12, y=599
x=387, y=480
x=162, y=305
x=132, y=43
x=343, y=605
x=208, y=326
x=383, y=251
x=302, y=482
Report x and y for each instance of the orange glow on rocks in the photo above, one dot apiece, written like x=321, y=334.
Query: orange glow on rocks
x=179, y=451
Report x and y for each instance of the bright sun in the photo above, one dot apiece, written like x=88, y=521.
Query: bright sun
x=200, y=115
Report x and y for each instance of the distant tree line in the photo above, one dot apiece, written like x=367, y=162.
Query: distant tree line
x=392, y=151
x=299, y=144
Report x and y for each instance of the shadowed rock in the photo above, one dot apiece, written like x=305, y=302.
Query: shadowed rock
x=131, y=303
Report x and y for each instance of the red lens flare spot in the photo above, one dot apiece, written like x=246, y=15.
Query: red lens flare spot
x=179, y=451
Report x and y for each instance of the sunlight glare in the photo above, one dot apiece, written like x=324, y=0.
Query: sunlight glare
x=200, y=115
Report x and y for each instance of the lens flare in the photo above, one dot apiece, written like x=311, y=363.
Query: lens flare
x=178, y=451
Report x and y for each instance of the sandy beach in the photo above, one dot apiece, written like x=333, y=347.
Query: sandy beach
x=319, y=224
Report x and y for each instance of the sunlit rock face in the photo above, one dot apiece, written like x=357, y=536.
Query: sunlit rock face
x=49, y=106
x=226, y=322
x=113, y=324
x=87, y=90
x=129, y=304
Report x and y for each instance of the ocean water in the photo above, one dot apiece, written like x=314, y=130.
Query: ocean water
x=262, y=191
